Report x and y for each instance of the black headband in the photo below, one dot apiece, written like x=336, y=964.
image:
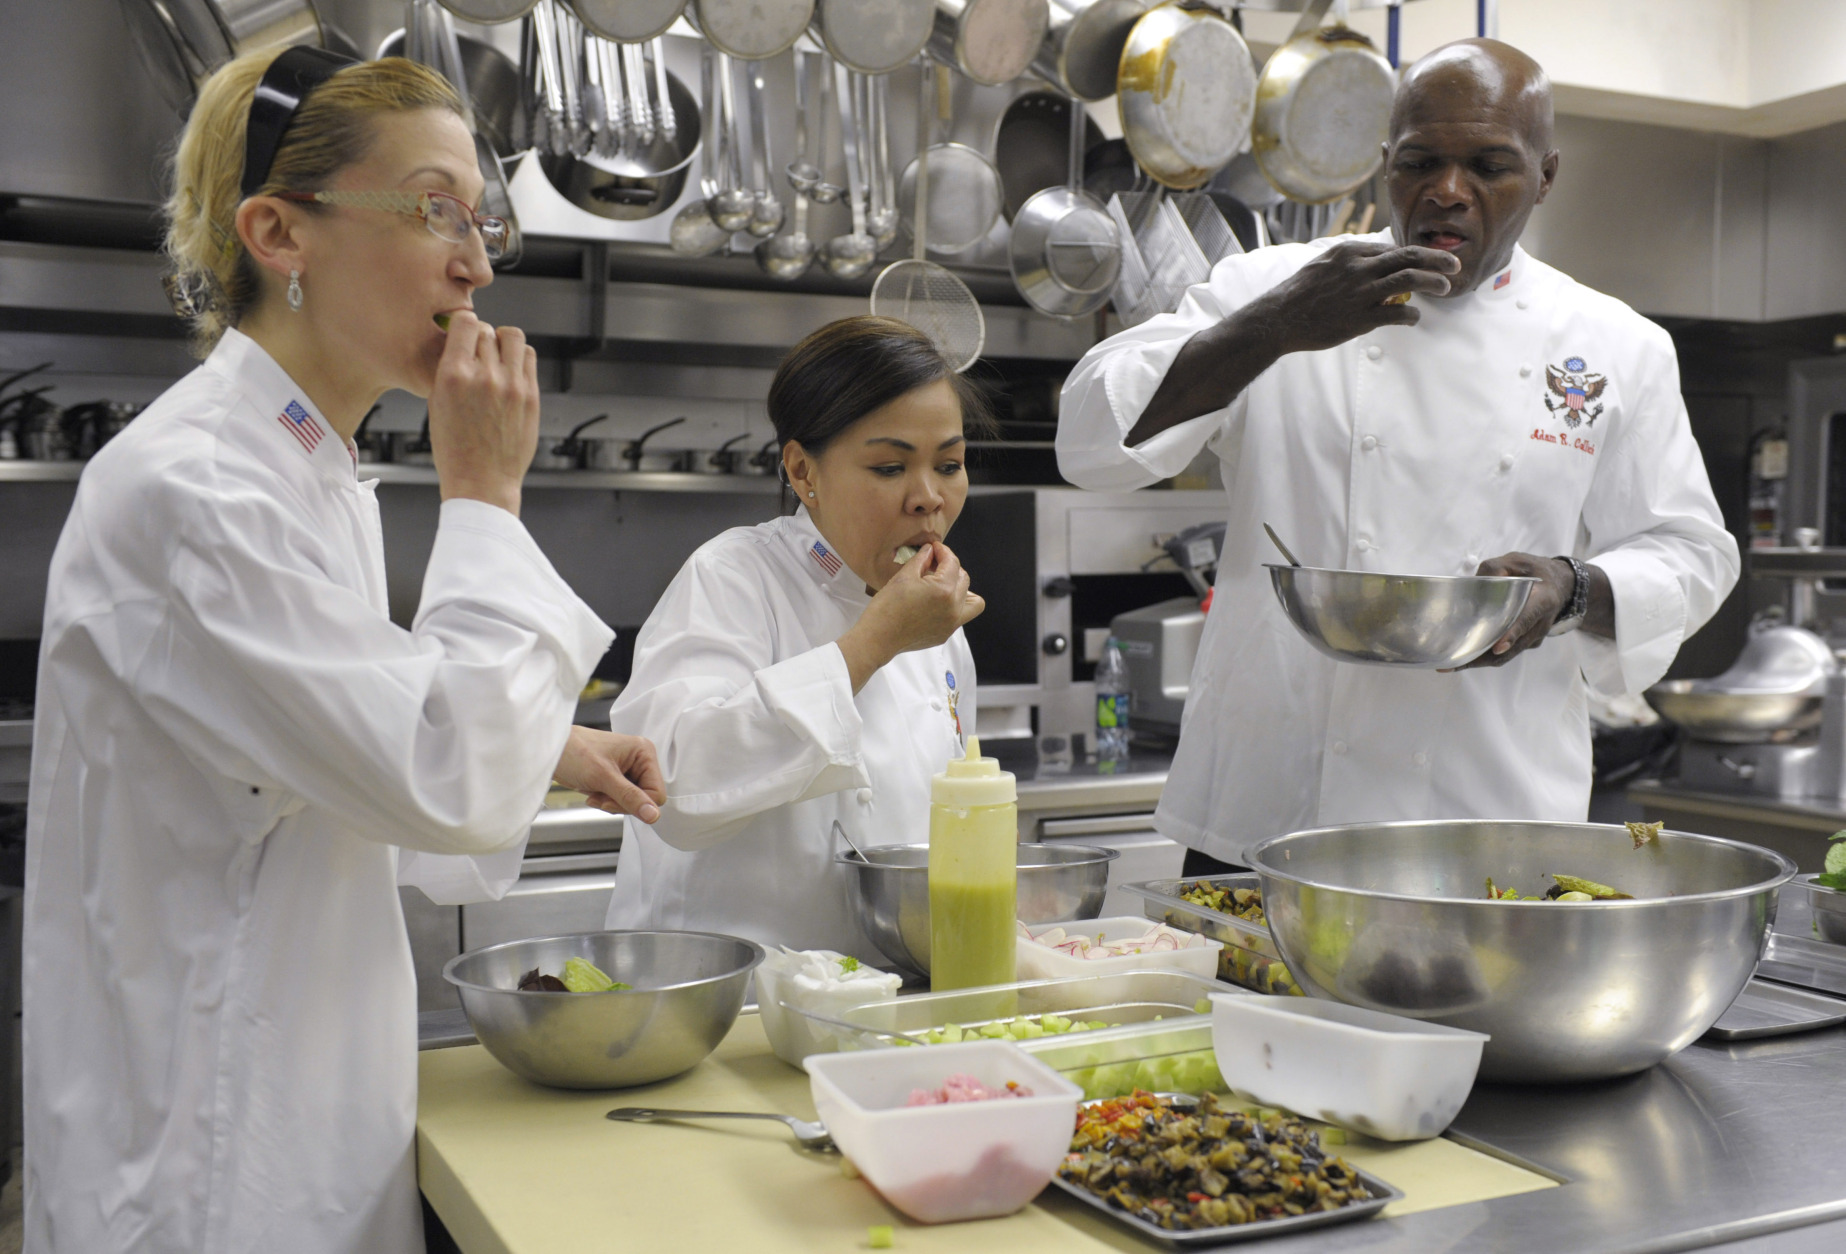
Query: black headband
x=286, y=83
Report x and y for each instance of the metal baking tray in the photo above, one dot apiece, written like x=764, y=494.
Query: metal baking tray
x=1249, y=956
x=1768, y=1009
x=1808, y=963
x=1383, y=1195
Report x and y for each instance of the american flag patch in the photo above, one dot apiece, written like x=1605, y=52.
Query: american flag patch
x=1503, y=280
x=299, y=423
x=824, y=555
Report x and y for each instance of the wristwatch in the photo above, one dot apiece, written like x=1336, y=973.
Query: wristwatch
x=1571, y=617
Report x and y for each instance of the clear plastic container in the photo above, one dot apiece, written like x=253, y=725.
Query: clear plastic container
x=963, y=1160
x=1249, y=957
x=1171, y=1056
x=1113, y=1000
x=1041, y=962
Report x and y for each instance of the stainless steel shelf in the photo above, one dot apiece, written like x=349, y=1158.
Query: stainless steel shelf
x=602, y=480
x=40, y=472
x=1795, y=563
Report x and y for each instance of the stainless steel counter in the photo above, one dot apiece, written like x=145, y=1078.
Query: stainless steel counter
x=1090, y=785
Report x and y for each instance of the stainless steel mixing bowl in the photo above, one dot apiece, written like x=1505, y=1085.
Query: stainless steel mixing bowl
x=688, y=988
x=1394, y=916
x=1732, y=717
x=890, y=894
x=1429, y=621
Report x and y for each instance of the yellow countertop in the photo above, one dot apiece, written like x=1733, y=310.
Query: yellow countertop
x=515, y=1168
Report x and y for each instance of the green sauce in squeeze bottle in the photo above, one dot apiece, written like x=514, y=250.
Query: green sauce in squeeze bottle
x=973, y=873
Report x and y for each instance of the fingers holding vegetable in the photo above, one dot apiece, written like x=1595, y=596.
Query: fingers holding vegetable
x=618, y=774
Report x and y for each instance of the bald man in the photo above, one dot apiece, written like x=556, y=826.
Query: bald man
x=1426, y=400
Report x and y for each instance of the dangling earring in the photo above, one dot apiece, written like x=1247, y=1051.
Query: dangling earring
x=294, y=290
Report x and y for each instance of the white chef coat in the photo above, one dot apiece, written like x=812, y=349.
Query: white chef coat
x=233, y=742
x=1417, y=450
x=739, y=683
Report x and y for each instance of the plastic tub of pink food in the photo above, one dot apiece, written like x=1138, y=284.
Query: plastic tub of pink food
x=959, y=1160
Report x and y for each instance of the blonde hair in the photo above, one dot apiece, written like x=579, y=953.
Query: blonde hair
x=212, y=273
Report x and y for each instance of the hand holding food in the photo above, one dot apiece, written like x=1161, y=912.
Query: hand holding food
x=617, y=773
x=1355, y=288
x=483, y=411
x=922, y=606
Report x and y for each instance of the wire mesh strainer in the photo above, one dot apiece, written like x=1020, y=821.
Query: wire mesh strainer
x=919, y=291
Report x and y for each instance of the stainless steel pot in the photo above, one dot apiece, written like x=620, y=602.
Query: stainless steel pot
x=1323, y=112
x=488, y=12
x=873, y=36
x=1031, y=146
x=1186, y=87
x=633, y=455
x=411, y=450
x=1082, y=51
x=493, y=91
x=990, y=41
x=183, y=41
x=751, y=30
x=628, y=21
x=632, y=188
x=723, y=460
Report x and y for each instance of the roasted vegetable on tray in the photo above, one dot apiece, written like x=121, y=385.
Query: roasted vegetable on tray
x=1186, y=1167
x=1244, y=903
x=1567, y=888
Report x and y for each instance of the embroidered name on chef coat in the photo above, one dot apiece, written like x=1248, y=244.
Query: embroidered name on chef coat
x=299, y=423
x=1575, y=399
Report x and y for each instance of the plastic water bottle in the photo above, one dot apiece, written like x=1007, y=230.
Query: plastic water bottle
x=1112, y=703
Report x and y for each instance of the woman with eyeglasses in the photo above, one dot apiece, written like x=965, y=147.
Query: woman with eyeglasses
x=238, y=754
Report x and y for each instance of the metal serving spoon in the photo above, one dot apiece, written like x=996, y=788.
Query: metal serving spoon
x=1277, y=541
x=847, y=837
x=811, y=1136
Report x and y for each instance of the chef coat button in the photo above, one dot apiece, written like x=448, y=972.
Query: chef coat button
x=1525, y=372
x=1339, y=747
x=1420, y=758
x=1374, y=352
x=1506, y=461
x=863, y=796
x=1369, y=443
x=1524, y=304
x=1474, y=559
x=935, y=704
x=1363, y=544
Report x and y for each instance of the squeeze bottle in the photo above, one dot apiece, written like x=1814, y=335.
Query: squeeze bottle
x=973, y=873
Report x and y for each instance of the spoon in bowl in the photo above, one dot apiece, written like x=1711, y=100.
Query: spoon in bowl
x=1277, y=541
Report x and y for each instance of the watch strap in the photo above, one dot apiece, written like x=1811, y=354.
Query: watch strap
x=1579, y=603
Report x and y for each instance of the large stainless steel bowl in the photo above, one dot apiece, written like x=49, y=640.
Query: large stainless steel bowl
x=1429, y=621
x=1394, y=916
x=890, y=894
x=688, y=989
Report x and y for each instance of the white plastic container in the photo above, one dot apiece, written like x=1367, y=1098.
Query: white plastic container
x=789, y=988
x=966, y=1160
x=1040, y=962
x=1389, y=1077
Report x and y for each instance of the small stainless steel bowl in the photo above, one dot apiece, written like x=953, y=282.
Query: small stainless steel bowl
x=1395, y=917
x=890, y=894
x=1427, y=621
x=1829, y=907
x=688, y=990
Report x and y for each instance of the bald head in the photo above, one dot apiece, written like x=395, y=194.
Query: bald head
x=1480, y=76
x=1470, y=153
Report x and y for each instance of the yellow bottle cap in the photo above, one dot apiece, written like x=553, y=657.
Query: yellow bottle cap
x=973, y=781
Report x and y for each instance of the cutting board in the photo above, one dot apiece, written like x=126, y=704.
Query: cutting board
x=514, y=1168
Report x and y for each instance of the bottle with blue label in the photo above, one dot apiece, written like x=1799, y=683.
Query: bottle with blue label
x=1112, y=703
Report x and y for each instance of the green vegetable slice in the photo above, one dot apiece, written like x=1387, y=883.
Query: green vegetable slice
x=586, y=977
x=880, y=1237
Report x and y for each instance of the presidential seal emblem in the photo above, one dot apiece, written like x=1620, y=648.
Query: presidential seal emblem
x=1575, y=391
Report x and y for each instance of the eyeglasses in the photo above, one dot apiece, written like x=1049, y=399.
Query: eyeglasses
x=448, y=217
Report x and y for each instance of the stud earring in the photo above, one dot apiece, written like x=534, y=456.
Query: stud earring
x=294, y=290
x=810, y=496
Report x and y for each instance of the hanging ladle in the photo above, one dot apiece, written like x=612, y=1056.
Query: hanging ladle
x=1277, y=541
